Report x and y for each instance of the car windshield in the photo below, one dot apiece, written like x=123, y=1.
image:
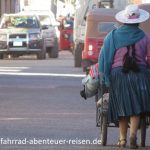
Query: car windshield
x=19, y=22
x=107, y=26
x=68, y=23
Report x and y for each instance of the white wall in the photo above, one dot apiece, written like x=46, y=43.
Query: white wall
x=36, y=5
x=64, y=9
x=145, y=1
x=120, y=4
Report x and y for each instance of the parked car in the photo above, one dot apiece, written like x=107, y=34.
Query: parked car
x=50, y=31
x=21, y=34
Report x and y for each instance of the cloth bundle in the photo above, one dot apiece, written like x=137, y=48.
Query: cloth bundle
x=91, y=82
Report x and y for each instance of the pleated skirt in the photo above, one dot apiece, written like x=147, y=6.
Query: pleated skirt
x=129, y=93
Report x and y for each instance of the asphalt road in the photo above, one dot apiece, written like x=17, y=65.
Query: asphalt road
x=41, y=108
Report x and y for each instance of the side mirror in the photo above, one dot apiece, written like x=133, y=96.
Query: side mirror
x=44, y=27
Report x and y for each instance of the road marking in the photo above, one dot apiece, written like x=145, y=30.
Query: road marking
x=45, y=117
x=17, y=71
x=12, y=69
x=9, y=70
x=42, y=74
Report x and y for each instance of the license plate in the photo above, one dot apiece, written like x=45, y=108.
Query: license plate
x=17, y=43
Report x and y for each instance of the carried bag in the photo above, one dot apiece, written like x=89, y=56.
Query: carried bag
x=91, y=83
x=130, y=62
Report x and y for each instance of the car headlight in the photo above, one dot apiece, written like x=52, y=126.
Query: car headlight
x=3, y=37
x=34, y=36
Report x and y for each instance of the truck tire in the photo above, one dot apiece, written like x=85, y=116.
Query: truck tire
x=53, y=53
x=78, y=55
x=41, y=55
x=1, y=56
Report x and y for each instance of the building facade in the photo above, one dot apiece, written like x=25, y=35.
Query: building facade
x=9, y=6
x=120, y=4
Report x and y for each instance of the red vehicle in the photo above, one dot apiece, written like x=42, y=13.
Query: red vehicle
x=99, y=22
x=66, y=33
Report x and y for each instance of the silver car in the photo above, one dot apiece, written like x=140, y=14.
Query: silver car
x=50, y=32
x=21, y=34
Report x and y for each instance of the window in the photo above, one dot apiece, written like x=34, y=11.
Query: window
x=68, y=23
x=19, y=22
x=107, y=26
x=26, y=2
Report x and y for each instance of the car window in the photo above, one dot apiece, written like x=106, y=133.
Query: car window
x=68, y=23
x=107, y=26
x=20, y=22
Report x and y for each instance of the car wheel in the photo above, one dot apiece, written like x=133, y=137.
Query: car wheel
x=54, y=50
x=1, y=56
x=48, y=50
x=78, y=55
x=41, y=54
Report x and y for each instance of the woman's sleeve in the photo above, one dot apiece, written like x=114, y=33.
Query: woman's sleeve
x=148, y=51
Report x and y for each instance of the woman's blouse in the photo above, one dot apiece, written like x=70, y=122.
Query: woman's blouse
x=142, y=53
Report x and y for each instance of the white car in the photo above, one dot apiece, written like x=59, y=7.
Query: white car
x=20, y=35
x=50, y=31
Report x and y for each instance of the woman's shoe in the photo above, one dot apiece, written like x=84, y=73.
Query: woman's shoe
x=133, y=144
x=122, y=143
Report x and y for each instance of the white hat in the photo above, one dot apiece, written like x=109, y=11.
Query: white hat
x=132, y=14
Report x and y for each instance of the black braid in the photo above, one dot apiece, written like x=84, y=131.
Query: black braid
x=130, y=61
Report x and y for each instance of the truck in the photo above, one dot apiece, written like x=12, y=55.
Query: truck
x=82, y=8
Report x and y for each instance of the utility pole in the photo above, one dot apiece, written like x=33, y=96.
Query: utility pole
x=54, y=6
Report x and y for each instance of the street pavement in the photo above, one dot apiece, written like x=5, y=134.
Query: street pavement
x=41, y=108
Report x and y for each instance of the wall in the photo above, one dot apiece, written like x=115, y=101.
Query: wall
x=35, y=4
x=9, y=6
x=135, y=1
x=120, y=4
